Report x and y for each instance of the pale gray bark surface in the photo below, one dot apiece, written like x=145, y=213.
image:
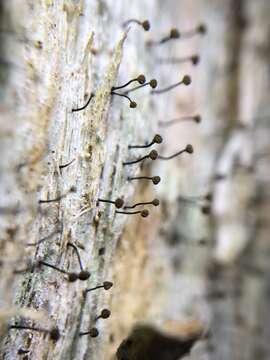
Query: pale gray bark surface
x=234, y=141
x=53, y=54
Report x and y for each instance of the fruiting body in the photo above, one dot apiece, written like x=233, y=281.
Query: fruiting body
x=84, y=275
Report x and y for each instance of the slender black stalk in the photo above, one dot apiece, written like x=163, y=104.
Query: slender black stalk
x=155, y=179
x=71, y=276
x=84, y=106
x=45, y=238
x=83, y=274
x=53, y=200
x=72, y=189
x=105, y=314
x=196, y=118
x=195, y=199
x=194, y=59
x=132, y=104
x=95, y=288
x=156, y=140
x=140, y=79
x=66, y=165
x=200, y=29
x=24, y=327
x=77, y=253
x=92, y=332
x=145, y=24
x=152, y=83
x=188, y=149
x=185, y=81
x=175, y=34
x=106, y=286
x=143, y=213
x=153, y=155
x=118, y=202
x=41, y=262
x=54, y=332
x=154, y=202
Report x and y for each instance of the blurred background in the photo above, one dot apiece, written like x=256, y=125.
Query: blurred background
x=200, y=262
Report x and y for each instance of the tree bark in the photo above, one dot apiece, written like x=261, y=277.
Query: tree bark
x=179, y=264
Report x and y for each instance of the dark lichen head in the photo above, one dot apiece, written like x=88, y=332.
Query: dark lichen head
x=186, y=80
x=206, y=209
x=144, y=213
x=155, y=202
x=189, y=149
x=133, y=105
x=105, y=314
x=84, y=275
x=197, y=119
x=153, y=155
x=146, y=25
x=202, y=29
x=157, y=139
x=153, y=83
x=107, y=285
x=141, y=79
x=156, y=180
x=195, y=59
x=94, y=332
x=174, y=34
x=119, y=203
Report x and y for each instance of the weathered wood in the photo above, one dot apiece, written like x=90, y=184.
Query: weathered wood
x=64, y=51
x=178, y=263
